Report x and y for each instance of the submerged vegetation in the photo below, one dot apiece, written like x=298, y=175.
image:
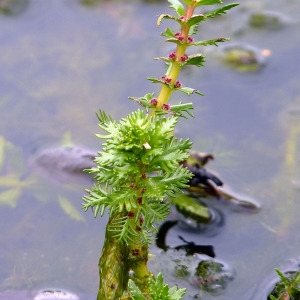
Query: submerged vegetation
x=288, y=288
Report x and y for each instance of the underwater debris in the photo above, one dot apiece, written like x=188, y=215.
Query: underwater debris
x=213, y=276
x=244, y=58
x=190, y=248
x=13, y=7
x=61, y=164
x=267, y=20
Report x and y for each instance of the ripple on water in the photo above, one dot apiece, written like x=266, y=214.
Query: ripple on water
x=212, y=228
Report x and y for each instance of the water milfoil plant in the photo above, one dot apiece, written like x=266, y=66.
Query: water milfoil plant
x=139, y=169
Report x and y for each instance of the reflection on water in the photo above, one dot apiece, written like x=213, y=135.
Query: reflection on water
x=61, y=61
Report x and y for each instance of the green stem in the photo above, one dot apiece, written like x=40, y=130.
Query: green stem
x=166, y=90
x=113, y=266
x=117, y=258
x=138, y=258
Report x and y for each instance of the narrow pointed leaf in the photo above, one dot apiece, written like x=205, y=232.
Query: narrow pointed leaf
x=135, y=292
x=177, y=6
x=187, y=2
x=283, y=278
x=194, y=29
x=220, y=11
x=195, y=60
x=158, y=80
x=169, y=33
x=180, y=109
x=189, y=91
x=195, y=20
x=167, y=17
x=208, y=2
x=210, y=42
x=175, y=41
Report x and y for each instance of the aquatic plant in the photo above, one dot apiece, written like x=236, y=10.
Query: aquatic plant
x=138, y=171
x=288, y=288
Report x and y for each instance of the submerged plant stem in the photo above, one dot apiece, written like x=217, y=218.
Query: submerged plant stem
x=113, y=266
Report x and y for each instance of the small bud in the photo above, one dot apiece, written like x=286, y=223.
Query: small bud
x=177, y=84
x=132, y=186
x=179, y=36
x=141, y=220
x=153, y=101
x=135, y=252
x=166, y=79
x=130, y=214
x=143, y=190
x=190, y=40
x=172, y=55
x=144, y=176
x=183, y=58
x=166, y=106
x=139, y=200
x=138, y=228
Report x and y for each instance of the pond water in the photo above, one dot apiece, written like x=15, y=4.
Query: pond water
x=63, y=60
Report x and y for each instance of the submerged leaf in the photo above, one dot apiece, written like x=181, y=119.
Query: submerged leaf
x=66, y=140
x=12, y=180
x=2, y=143
x=11, y=155
x=70, y=209
x=192, y=209
x=10, y=197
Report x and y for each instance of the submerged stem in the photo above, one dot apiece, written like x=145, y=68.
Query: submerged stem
x=113, y=266
x=138, y=258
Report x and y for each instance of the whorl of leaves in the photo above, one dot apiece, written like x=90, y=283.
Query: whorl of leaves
x=158, y=290
x=137, y=167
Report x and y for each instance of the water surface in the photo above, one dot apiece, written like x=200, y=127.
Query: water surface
x=62, y=61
